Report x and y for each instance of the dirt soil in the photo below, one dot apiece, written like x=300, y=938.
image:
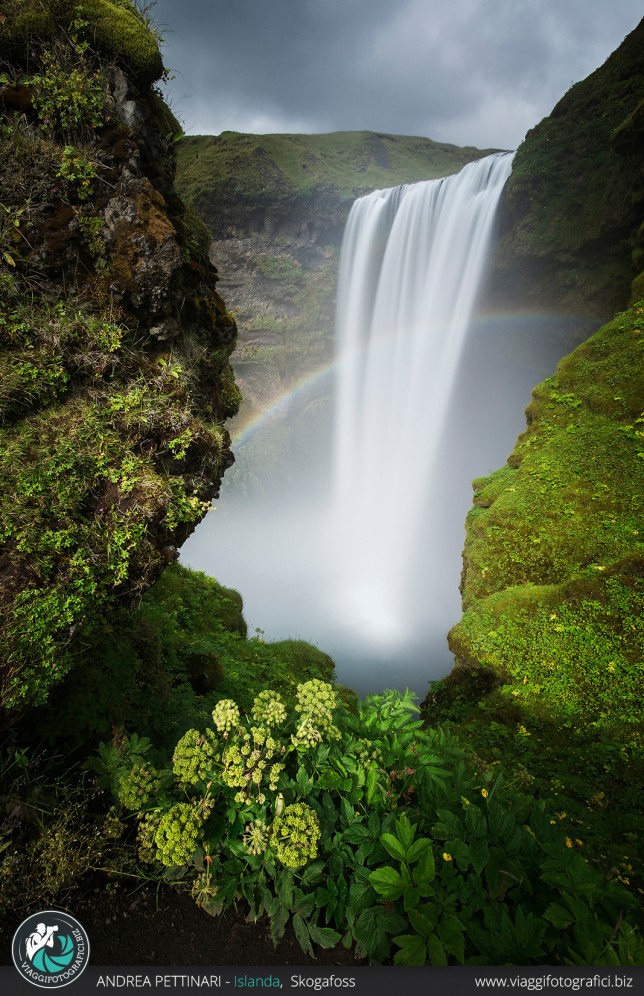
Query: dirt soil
x=146, y=927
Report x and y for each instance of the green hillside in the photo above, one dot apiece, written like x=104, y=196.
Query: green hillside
x=351, y=163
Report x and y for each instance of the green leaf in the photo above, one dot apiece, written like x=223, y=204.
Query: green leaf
x=372, y=785
x=284, y=888
x=387, y=882
x=329, y=780
x=391, y=923
x=425, y=870
x=356, y=834
x=406, y=831
x=348, y=812
x=413, y=950
x=393, y=846
x=329, y=812
x=303, y=782
x=302, y=934
x=502, y=827
x=303, y=902
x=459, y=851
x=373, y=825
x=336, y=863
x=278, y=924
x=449, y=825
x=417, y=849
x=436, y=951
x=411, y=898
x=313, y=873
x=450, y=930
x=479, y=855
x=368, y=931
x=558, y=916
x=421, y=922
x=365, y=851
x=324, y=936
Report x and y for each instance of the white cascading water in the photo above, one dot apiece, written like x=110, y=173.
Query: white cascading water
x=411, y=265
x=368, y=568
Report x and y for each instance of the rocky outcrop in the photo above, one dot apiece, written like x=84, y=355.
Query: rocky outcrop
x=571, y=218
x=114, y=366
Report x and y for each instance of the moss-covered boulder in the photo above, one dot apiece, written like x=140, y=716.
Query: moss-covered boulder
x=114, y=28
x=114, y=343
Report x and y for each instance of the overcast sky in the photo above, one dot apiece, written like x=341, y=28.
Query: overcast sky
x=471, y=72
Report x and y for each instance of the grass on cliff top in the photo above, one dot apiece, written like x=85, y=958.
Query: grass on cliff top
x=351, y=162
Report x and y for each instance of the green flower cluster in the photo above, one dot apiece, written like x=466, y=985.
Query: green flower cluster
x=225, y=716
x=177, y=834
x=256, y=837
x=295, y=835
x=139, y=785
x=248, y=761
x=194, y=757
x=365, y=752
x=316, y=701
x=148, y=824
x=268, y=709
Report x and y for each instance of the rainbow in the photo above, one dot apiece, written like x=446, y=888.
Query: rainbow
x=248, y=424
x=278, y=407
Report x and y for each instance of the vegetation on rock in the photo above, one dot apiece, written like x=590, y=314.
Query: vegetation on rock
x=115, y=344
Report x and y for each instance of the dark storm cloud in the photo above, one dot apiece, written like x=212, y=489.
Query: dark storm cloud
x=475, y=72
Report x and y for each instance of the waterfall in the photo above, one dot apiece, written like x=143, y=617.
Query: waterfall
x=411, y=265
x=359, y=550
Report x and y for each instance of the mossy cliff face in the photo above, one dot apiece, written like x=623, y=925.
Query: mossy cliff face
x=553, y=578
x=571, y=217
x=114, y=365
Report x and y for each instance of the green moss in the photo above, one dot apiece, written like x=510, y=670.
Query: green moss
x=116, y=29
x=161, y=667
x=86, y=496
x=550, y=649
x=571, y=495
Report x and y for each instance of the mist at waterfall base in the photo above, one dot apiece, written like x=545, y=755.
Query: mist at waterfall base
x=342, y=522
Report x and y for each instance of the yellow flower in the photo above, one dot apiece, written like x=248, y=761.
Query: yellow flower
x=568, y=842
x=446, y=856
x=484, y=793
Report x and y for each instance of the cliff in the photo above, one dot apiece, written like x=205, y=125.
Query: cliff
x=553, y=571
x=571, y=220
x=114, y=366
